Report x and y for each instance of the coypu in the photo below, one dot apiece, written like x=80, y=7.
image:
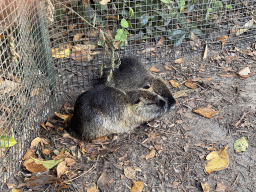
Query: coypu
x=103, y=110
x=131, y=74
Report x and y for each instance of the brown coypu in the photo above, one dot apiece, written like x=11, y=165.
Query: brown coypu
x=104, y=110
x=132, y=74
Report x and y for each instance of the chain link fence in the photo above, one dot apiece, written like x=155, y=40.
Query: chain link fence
x=52, y=49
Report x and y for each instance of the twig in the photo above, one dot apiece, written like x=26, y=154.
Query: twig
x=238, y=122
x=236, y=179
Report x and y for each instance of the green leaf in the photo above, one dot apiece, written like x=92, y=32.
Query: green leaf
x=166, y=1
x=124, y=23
x=241, y=145
x=181, y=4
x=130, y=25
x=119, y=34
x=143, y=20
x=48, y=164
x=124, y=36
x=229, y=7
x=131, y=12
x=7, y=141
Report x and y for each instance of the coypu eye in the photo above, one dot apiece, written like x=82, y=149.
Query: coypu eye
x=146, y=86
x=137, y=101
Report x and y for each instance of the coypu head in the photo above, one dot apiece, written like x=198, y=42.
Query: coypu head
x=158, y=86
x=147, y=105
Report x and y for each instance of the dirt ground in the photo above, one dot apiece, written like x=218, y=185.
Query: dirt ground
x=181, y=139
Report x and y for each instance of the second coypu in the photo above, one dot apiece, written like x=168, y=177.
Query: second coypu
x=104, y=110
x=131, y=74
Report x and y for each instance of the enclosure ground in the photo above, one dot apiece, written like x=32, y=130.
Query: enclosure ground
x=181, y=138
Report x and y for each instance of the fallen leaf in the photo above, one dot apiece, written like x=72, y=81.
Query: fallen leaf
x=8, y=86
x=60, y=53
x=15, y=190
x=244, y=72
x=92, y=188
x=206, y=112
x=43, y=125
x=130, y=172
x=61, y=169
x=63, y=117
x=220, y=187
x=190, y=84
x=154, y=69
x=71, y=27
x=160, y=42
x=78, y=36
x=34, y=92
x=245, y=27
x=167, y=68
x=48, y=164
x=148, y=50
x=211, y=149
x=28, y=154
x=33, y=167
x=104, y=2
x=38, y=140
x=223, y=39
x=182, y=93
x=100, y=139
x=70, y=162
x=103, y=181
x=7, y=141
x=174, y=83
x=241, y=145
x=205, y=187
x=137, y=186
x=151, y=154
x=217, y=161
x=46, y=151
x=178, y=61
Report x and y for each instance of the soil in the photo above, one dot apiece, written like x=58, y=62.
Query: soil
x=181, y=138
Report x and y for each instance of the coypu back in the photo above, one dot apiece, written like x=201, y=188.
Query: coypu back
x=132, y=74
x=104, y=110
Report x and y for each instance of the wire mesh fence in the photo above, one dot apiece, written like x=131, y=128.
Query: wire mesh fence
x=51, y=48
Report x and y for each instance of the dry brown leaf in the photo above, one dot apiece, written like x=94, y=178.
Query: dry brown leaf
x=61, y=169
x=103, y=181
x=70, y=162
x=92, y=188
x=78, y=36
x=190, y=84
x=154, y=69
x=206, y=112
x=93, y=155
x=178, y=61
x=130, y=172
x=174, y=83
x=63, y=117
x=205, y=187
x=160, y=42
x=151, y=154
x=220, y=187
x=100, y=139
x=28, y=154
x=46, y=151
x=217, y=161
x=211, y=149
x=38, y=140
x=148, y=50
x=244, y=72
x=245, y=27
x=167, y=68
x=223, y=39
x=48, y=124
x=137, y=186
x=43, y=125
x=33, y=167
x=71, y=27
x=60, y=156
x=104, y=2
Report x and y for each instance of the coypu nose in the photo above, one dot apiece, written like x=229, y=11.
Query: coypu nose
x=160, y=101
